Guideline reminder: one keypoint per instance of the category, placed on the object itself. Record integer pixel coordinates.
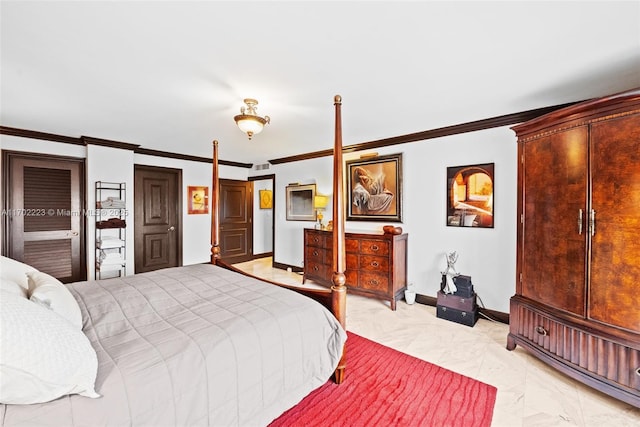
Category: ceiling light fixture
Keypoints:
(248, 120)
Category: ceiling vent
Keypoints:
(262, 167)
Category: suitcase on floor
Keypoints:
(468, 318)
(464, 285)
(456, 301)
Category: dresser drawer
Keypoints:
(316, 270)
(316, 239)
(351, 245)
(374, 247)
(315, 254)
(374, 263)
(373, 281)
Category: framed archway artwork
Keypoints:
(470, 198)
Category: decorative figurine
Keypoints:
(450, 273)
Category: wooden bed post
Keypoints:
(215, 203)
(338, 279)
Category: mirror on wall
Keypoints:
(300, 200)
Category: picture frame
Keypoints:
(299, 199)
(197, 200)
(470, 196)
(266, 199)
(374, 188)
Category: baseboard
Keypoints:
(264, 255)
(491, 314)
(287, 267)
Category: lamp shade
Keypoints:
(250, 124)
(320, 201)
(248, 120)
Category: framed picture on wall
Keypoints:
(266, 199)
(197, 200)
(374, 187)
(470, 196)
(300, 202)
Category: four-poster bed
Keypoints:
(202, 344)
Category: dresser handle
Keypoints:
(315, 253)
(542, 331)
(374, 247)
(315, 268)
(375, 264)
(373, 282)
(638, 372)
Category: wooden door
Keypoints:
(236, 211)
(45, 196)
(553, 252)
(615, 242)
(157, 208)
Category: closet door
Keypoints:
(46, 225)
(615, 253)
(554, 194)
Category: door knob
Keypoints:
(172, 228)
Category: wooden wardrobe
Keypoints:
(577, 300)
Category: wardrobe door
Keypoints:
(554, 237)
(46, 227)
(615, 253)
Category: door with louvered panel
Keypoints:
(44, 202)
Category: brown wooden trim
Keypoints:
(493, 122)
(498, 316)
(85, 140)
(23, 133)
(178, 156)
(89, 140)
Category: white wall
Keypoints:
(116, 165)
(262, 219)
(108, 164)
(485, 254)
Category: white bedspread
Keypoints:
(194, 345)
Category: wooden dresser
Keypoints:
(577, 300)
(376, 263)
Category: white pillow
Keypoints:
(13, 270)
(48, 291)
(42, 357)
(12, 287)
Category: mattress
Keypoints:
(194, 346)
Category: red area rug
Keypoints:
(384, 387)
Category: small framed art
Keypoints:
(198, 200)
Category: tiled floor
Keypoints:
(529, 392)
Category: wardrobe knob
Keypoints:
(542, 331)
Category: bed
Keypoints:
(195, 345)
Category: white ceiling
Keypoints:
(171, 75)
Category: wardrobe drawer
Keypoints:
(585, 350)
